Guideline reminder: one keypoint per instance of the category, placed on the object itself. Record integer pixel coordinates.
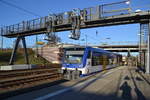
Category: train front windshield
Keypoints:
(73, 57)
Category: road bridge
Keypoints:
(120, 48)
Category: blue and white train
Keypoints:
(82, 61)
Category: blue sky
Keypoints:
(10, 15)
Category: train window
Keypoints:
(73, 59)
(96, 58)
(104, 60)
(110, 60)
(76, 49)
(101, 60)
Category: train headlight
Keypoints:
(80, 66)
(63, 65)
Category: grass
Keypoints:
(20, 59)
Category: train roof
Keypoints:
(71, 47)
(90, 48)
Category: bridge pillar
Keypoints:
(25, 50)
(11, 62)
(129, 62)
(148, 51)
(144, 47)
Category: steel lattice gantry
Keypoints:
(40, 26)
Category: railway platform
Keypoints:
(121, 83)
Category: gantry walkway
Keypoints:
(122, 83)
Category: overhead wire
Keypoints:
(19, 8)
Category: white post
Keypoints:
(148, 51)
(86, 40)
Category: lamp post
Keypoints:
(148, 51)
(85, 40)
(105, 40)
(1, 42)
(1, 30)
(36, 54)
(128, 2)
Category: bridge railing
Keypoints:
(63, 18)
(117, 8)
(25, 26)
(87, 14)
(92, 13)
(106, 10)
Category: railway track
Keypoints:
(11, 74)
(25, 70)
(21, 79)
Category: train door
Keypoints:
(115, 62)
(118, 60)
(88, 62)
(89, 58)
(96, 62)
(105, 61)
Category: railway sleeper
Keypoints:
(26, 80)
(29, 82)
(26, 70)
(25, 74)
